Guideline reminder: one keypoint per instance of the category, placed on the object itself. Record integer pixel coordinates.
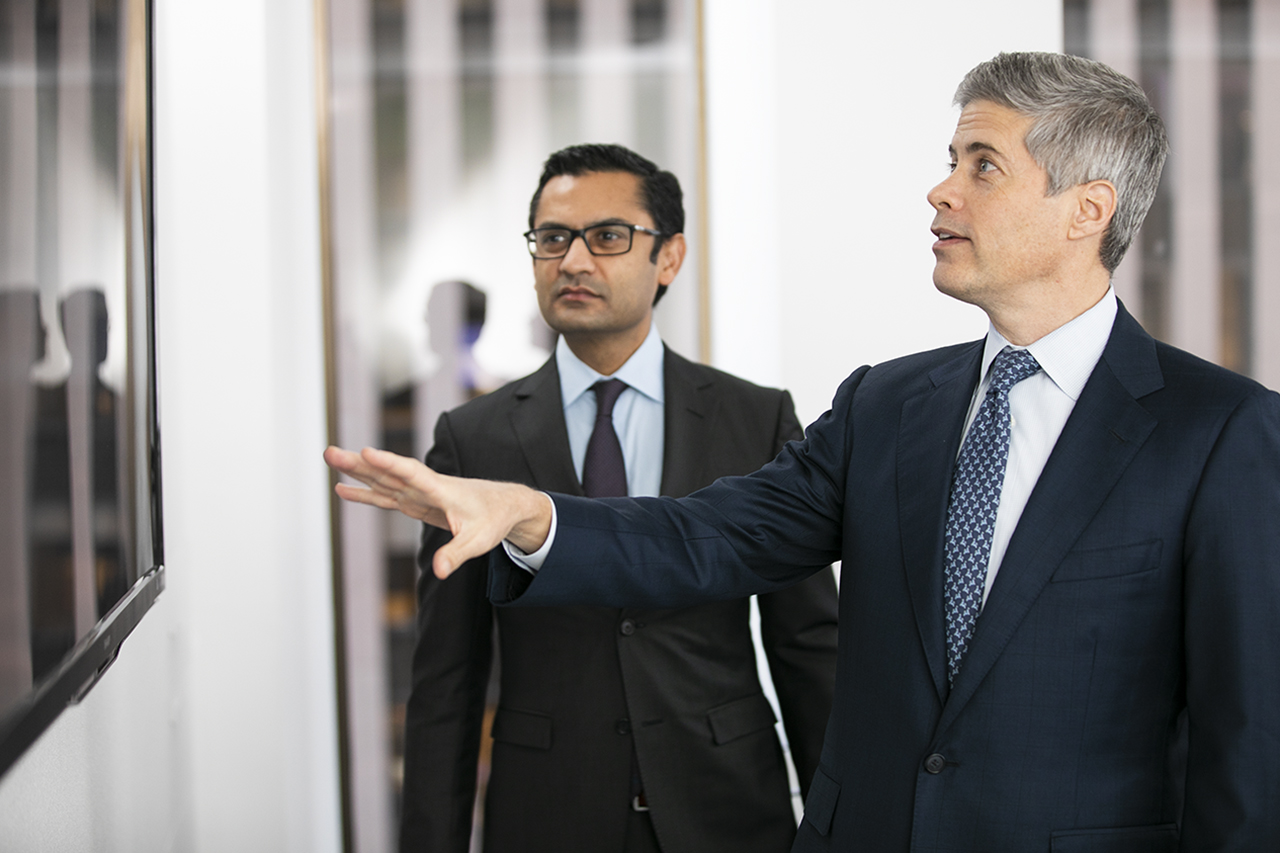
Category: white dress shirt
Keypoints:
(1039, 407)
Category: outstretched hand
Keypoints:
(479, 513)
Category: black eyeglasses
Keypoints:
(614, 239)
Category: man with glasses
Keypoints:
(629, 729)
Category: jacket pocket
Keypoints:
(820, 805)
(1098, 563)
(740, 718)
(1162, 838)
(522, 728)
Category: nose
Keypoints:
(577, 258)
(943, 195)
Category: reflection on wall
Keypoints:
(443, 111)
(66, 536)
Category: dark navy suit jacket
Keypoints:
(1122, 690)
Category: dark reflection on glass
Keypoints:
(1156, 236)
(475, 26)
(74, 378)
(1235, 142)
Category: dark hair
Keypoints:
(1090, 122)
(660, 191)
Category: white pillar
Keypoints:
(607, 88)
(1114, 39)
(679, 314)
(432, 58)
(520, 145)
(359, 400)
(433, 63)
(1265, 110)
(744, 170)
(1195, 292)
(242, 412)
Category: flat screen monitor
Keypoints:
(81, 553)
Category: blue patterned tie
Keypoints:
(604, 473)
(975, 497)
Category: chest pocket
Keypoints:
(1113, 562)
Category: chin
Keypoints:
(959, 289)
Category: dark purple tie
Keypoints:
(604, 474)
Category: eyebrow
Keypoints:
(612, 220)
(974, 148)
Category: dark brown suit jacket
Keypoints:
(582, 686)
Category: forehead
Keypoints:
(985, 125)
(578, 200)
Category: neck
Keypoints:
(606, 353)
(1025, 321)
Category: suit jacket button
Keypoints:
(622, 727)
(627, 627)
(934, 763)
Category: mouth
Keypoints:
(947, 237)
(576, 293)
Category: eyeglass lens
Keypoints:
(600, 240)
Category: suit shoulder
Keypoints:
(895, 369)
(1203, 384)
(905, 375)
(728, 383)
(1184, 367)
(482, 409)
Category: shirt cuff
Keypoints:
(531, 563)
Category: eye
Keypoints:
(607, 235)
(551, 238)
(986, 166)
(951, 167)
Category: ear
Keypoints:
(1095, 205)
(670, 258)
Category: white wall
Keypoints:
(828, 122)
(215, 730)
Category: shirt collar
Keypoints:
(1069, 353)
(643, 371)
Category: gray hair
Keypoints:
(1089, 122)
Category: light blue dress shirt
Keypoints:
(637, 416)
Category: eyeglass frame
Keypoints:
(576, 233)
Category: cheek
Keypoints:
(543, 280)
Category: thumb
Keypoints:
(450, 557)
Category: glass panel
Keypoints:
(464, 100)
(79, 523)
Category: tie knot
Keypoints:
(607, 391)
(1010, 367)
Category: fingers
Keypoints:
(365, 496)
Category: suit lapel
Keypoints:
(1101, 437)
(538, 422)
(688, 411)
(929, 439)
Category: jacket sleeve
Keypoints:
(798, 631)
(450, 675)
(1232, 645)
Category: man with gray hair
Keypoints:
(1061, 556)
